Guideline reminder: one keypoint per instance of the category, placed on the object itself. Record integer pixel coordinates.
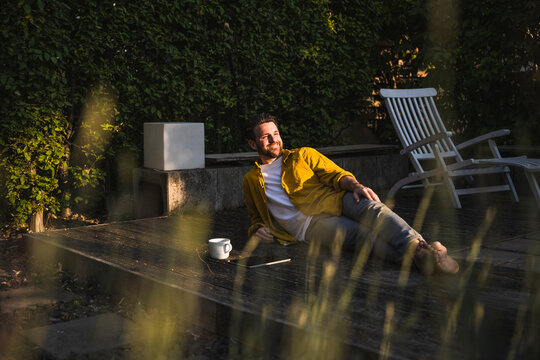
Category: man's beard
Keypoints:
(269, 153)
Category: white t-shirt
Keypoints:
(280, 206)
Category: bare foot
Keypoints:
(433, 257)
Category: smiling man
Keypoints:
(301, 195)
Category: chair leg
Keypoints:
(393, 191)
(513, 193)
(534, 187)
(401, 183)
(509, 182)
(452, 189)
(446, 178)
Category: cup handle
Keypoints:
(227, 248)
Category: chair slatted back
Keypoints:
(415, 117)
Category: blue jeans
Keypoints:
(365, 223)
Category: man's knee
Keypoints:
(364, 209)
(378, 208)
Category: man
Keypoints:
(300, 195)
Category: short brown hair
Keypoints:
(258, 120)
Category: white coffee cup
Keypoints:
(219, 248)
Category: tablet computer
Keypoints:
(258, 261)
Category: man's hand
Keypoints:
(264, 234)
(349, 183)
(366, 192)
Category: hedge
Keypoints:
(102, 69)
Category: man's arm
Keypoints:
(328, 172)
(331, 174)
(349, 183)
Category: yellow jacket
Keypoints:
(311, 181)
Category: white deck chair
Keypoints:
(424, 137)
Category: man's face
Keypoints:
(267, 143)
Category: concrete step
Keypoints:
(85, 336)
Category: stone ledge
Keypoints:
(331, 151)
(158, 192)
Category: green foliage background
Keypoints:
(79, 79)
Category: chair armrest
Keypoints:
(425, 141)
(489, 135)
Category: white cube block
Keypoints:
(173, 146)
